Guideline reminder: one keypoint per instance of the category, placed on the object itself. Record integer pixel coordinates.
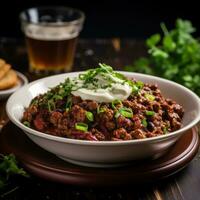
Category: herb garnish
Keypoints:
(149, 113)
(149, 97)
(175, 56)
(81, 126)
(144, 122)
(126, 112)
(90, 116)
(102, 77)
(8, 168)
(116, 102)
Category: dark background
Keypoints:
(121, 18)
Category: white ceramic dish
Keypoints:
(105, 153)
(22, 81)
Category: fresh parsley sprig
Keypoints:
(175, 55)
(8, 168)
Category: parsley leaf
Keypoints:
(175, 55)
(8, 168)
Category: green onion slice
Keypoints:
(144, 122)
(126, 112)
(51, 105)
(117, 114)
(69, 103)
(165, 130)
(115, 102)
(81, 127)
(135, 89)
(90, 116)
(149, 113)
(140, 84)
(149, 97)
(26, 123)
(100, 110)
(57, 97)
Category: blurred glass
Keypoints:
(51, 36)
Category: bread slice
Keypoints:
(2, 62)
(9, 80)
(4, 68)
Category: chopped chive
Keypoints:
(100, 110)
(144, 122)
(165, 130)
(69, 103)
(120, 76)
(115, 102)
(26, 123)
(81, 127)
(149, 97)
(57, 97)
(117, 114)
(149, 113)
(135, 89)
(140, 84)
(90, 116)
(51, 105)
(126, 112)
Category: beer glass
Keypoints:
(51, 35)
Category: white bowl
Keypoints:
(105, 153)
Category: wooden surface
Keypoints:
(47, 166)
(184, 185)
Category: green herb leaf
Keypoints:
(153, 40)
(90, 116)
(126, 112)
(81, 126)
(144, 122)
(176, 58)
(100, 110)
(8, 168)
(117, 114)
(116, 102)
(26, 123)
(168, 43)
(149, 97)
(165, 130)
(149, 113)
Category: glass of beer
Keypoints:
(51, 36)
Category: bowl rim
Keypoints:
(99, 143)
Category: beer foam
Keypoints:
(51, 32)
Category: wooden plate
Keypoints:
(46, 165)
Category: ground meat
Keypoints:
(178, 109)
(107, 115)
(55, 118)
(110, 125)
(136, 122)
(99, 135)
(76, 100)
(92, 105)
(138, 134)
(106, 122)
(124, 122)
(29, 113)
(39, 123)
(89, 105)
(121, 133)
(78, 113)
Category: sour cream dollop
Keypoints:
(117, 89)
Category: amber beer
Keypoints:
(50, 51)
(51, 34)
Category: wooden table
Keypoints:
(184, 185)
